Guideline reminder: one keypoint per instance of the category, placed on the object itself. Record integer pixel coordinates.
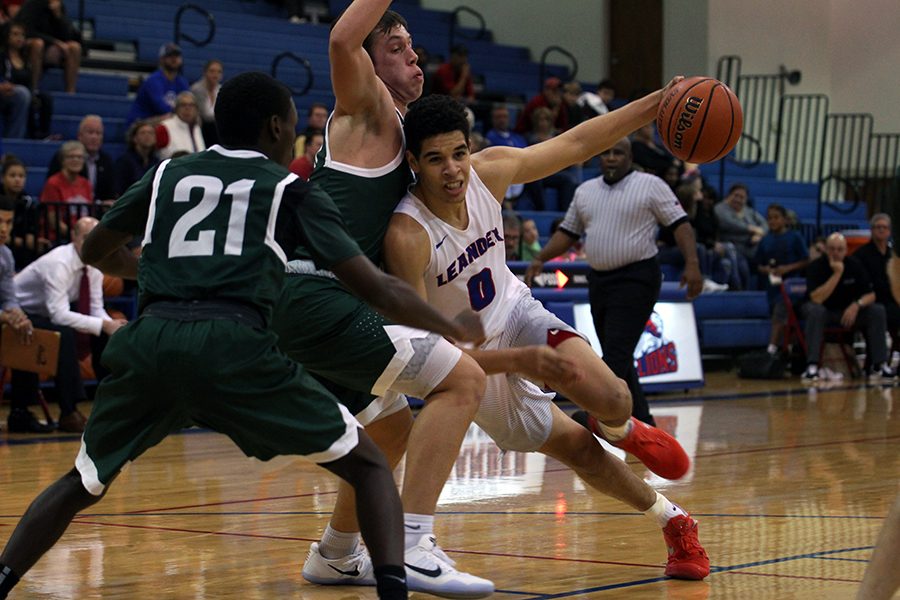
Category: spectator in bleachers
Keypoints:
(205, 91)
(303, 165)
(500, 135)
(512, 235)
(11, 314)
(874, 257)
(531, 244)
(181, 131)
(68, 186)
(424, 62)
(9, 9)
(59, 292)
(733, 268)
(571, 93)
(739, 223)
(454, 77)
(52, 39)
(593, 104)
(15, 106)
(26, 243)
(156, 97)
(564, 182)
(99, 166)
(140, 155)
(841, 293)
(549, 98)
(316, 118)
(17, 70)
(780, 252)
(653, 157)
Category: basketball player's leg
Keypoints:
(598, 390)
(576, 447)
(46, 519)
(390, 435)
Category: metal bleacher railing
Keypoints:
(838, 152)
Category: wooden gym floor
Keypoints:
(790, 486)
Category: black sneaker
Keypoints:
(21, 420)
(882, 373)
(811, 374)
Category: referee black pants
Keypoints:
(621, 303)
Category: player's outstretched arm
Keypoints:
(502, 166)
(356, 87)
(105, 249)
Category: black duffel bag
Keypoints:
(761, 365)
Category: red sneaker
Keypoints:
(687, 558)
(659, 451)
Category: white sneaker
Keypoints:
(355, 569)
(427, 571)
(711, 287)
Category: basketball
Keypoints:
(700, 120)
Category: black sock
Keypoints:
(390, 581)
(8, 580)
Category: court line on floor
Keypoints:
(733, 569)
(516, 513)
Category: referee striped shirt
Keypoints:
(620, 221)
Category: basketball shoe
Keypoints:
(431, 571)
(659, 451)
(687, 558)
(354, 569)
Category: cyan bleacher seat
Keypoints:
(34, 180)
(91, 83)
(771, 187)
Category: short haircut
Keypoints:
(316, 105)
(431, 116)
(606, 84)
(880, 217)
(738, 186)
(245, 104)
(11, 160)
(69, 146)
(778, 208)
(388, 21)
(7, 203)
(186, 94)
(511, 220)
(87, 118)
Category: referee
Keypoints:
(619, 214)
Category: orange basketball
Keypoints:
(112, 286)
(700, 120)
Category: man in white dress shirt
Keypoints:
(47, 290)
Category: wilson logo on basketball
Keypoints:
(686, 119)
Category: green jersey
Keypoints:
(366, 197)
(220, 224)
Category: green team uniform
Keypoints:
(319, 322)
(218, 227)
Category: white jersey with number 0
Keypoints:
(468, 267)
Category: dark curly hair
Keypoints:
(431, 116)
(388, 21)
(245, 104)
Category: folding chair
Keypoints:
(41, 357)
(795, 288)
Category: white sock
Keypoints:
(614, 434)
(415, 526)
(663, 510)
(336, 544)
(772, 349)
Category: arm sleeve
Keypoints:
(7, 286)
(97, 309)
(155, 95)
(308, 217)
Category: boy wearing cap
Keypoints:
(156, 97)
